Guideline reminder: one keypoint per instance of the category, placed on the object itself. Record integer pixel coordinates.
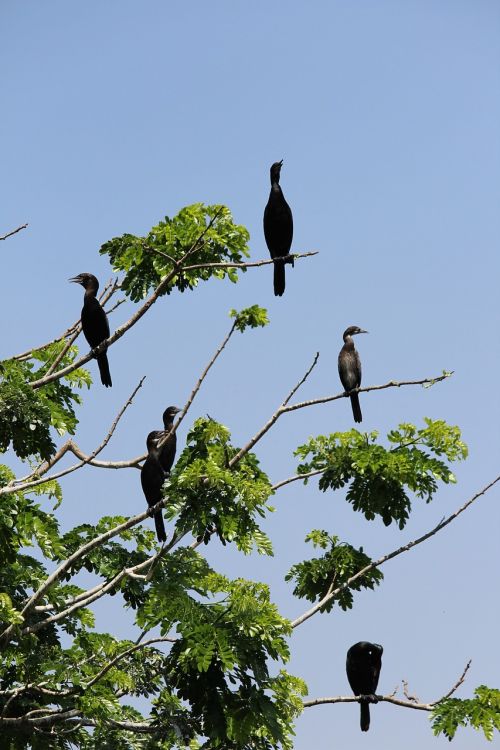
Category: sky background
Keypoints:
(117, 113)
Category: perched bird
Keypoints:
(167, 450)
(278, 228)
(350, 368)
(95, 324)
(152, 478)
(363, 665)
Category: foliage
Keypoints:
(380, 478)
(201, 234)
(480, 712)
(210, 650)
(27, 415)
(210, 494)
(316, 578)
(253, 317)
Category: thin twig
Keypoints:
(253, 264)
(405, 548)
(279, 411)
(197, 387)
(14, 231)
(296, 478)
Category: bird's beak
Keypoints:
(281, 163)
(362, 331)
(76, 279)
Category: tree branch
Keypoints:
(405, 548)
(14, 231)
(277, 414)
(410, 703)
(118, 657)
(87, 459)
(197, 387)
(285, 407)
(121, 330)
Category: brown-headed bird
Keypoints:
(350, 368)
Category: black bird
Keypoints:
(152, 478)
(350, 368)
(95, 324)
(363, 665)
(278, 228)
(167, 451)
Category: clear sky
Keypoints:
(387, 113)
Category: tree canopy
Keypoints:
(208, 665)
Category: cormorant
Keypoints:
(95, 324)
(152, 478)
(363, 665)
(167, 450)
(350, 368)
(278, 228)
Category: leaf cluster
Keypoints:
(315, 578)
(481, 712)
(209, 495)
(207, 233)
(381, 479)
(27, 415)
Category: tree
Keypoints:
(210, 654)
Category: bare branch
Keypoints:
(88, 459)
(253, 264)
(197, 387)
(380, 698)
(296, 478)
(14, 231)
(455, 687)
(277, 414)
(411, 701)
(285, 407)
(405, 548)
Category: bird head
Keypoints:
(153, 439)
(352, 331)
(276, 170)
(169, 414)
(87, 280)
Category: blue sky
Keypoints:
(386, 114)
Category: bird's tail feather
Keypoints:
(160, 527)
(279, 278)
(102, 361)
(364, 716)
(356, 408)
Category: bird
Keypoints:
(152, 478)
(167, 450)
(350, 368)
(363, 665)
(95, 324)
(278, 228)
